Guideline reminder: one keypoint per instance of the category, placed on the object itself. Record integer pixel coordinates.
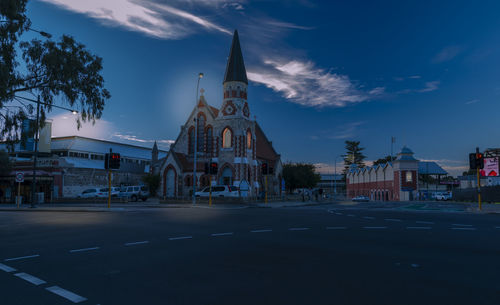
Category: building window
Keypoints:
(191, 141)
(208, 145)
(249, 139)
(409, 177)
(226, 138)
(201, 132)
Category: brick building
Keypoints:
(397, 180)
(226, 135)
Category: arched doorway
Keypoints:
(170, 178)
(226, 177)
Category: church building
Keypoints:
(228, 136)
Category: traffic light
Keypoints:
(479, 160)
(264, 168)
(112, 161)
(472, 160)
(213, 168)
(271, 170)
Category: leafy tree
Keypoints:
(63, 70)
(153, 182)
(5, 163)
(353, 155)
(383, 160)
(300, 175)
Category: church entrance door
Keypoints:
(170, 183)
(227, 176)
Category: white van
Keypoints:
(219, 191)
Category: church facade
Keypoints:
(227, 136)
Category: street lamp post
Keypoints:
(195, 138)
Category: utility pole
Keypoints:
(195, 137)
(35, 155)
(478, 182)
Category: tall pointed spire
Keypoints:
(235, 69)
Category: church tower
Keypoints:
(235, 84)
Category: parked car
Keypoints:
(90, 193)
(361, 199)
(442, 196)
(219, 191)
(115, 192)
(135, 192)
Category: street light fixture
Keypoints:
(200, 76)
(43, 33)
(35, 153)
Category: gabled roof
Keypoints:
(430, 168)
(235, 69)
(265, 148)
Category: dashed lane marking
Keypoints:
(137, 243)
(335, 228)
(73, 297)
(222, 234)
(497, 227)
(30, 278)
(338, 213)
(418, 228)
(374, 228)
(351, 215)
(261, 231)
(180, 237)
(298, 229)
(6, 268)
(21, 257)
(392, 219)
(425, 222)
(83, 250)
(460, 225)
(368, 217)
(464, 229)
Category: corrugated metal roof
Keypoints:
(430, 168)
(89, 145)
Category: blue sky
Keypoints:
(320, 72)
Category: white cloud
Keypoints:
(140, 16)
(473, 101)
(430, 86)
(347, 131)
(304, 84)
(447, 54)
(133, 139)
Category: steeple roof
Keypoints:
(235, 69)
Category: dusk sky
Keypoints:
(320, 72)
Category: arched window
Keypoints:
(201, 132)
(226, 138)
(209, 135)
(191, 141)
(249, 139)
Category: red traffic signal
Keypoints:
(479, 160)
(112, 161)
(264, 169)
(213, 168)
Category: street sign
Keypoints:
(19, 177)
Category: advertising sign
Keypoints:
(490, 167)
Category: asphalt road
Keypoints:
(309, 255)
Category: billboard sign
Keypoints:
(490, 167)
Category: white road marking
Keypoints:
(460, 225)
(335, 228)
(137, 243)
(222, 234)
(21, 257)
(351, 215)
(392, 219)
(467, 229)
(374, 228)
(261, 231)
(180, 237)
(298, 229)
(6, 268)
(497, 227)
(418, 228)
(338, 213)
(73, 297)
(414, 265)
(30, 278)
(425, 222)
(84, 249)
(368, 217)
